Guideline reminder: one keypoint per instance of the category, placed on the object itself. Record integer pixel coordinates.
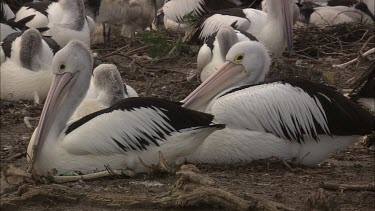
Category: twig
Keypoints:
(16, 156)
(371, 51)
(335, 187)
(106, 173)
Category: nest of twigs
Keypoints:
(338, 40)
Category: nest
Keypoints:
(344, 40)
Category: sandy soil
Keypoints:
(166, 78)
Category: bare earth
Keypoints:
(166, 78)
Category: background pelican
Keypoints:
(273, 29)
(26, 74)
(130, 130)
(293, 119)
(65, 20)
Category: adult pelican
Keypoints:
(106, 88)
(293, 119)
(25, 73)
(274, 29)
(122, 136)
(324, 16)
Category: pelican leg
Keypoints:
(161, 167)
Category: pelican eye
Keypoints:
(238, 58)
(62, 67)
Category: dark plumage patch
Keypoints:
(39, 6)
(93, 6)
(344, 117)
(363, 7)
(179, 118)
(365, 85)
(306, 9)
(8, 42)
(19, 25)
(198, 25)
(347, 3)
(52, 44)
(248, 35)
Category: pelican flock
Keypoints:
(93, 121)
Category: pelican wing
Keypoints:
(177, 10)
(133, 124)
(292, 110)
(210, 24)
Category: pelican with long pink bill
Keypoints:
(290, 119)
(127, 135)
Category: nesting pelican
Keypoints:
(26, 73)
(64, 20)
(290, 119)
(126, 135)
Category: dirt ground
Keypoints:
(166, 77)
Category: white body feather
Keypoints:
(18, 83)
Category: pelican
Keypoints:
(326, 16)
(135, 15)
(64, 20)
(25, 74)
(106, 88)
(290, 119)
(212, 54)
(273, 29)
(178, 10)
(120, 136)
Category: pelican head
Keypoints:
(108, 84)
(247, 62)
(226, 38)
(71, 67)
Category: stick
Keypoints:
(122, 48)
(16, 156)
(371, 51)
(335, 187)
(63, 179)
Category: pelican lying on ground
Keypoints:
(293, 119)
(106, 88)
(327, 16)
(177, 10)
(65, 20)
(120, 136)
(273, 29)
(211, 55)
(18, 47)
(26, 73)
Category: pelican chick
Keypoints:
(26, 73)
(106, 88)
